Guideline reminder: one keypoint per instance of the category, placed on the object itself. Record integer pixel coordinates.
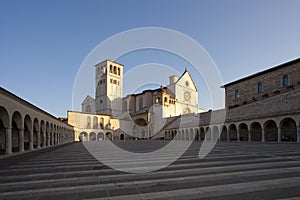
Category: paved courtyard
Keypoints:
(233, 170)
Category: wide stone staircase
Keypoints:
(233, 170)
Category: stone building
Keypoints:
(179, 97)
(25, 127)
(261, 107)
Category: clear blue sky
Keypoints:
(43, 43)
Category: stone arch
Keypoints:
(16, 128)
(255, 131)
(109, 136)
(232, 132)
(115, 70)
(92, 136)
(100, 136)
(119, 71)
(224, 134)
(101, 122)
(95, 122)
(243, 132)
(88, 122)
(288, 130)
(215, 133)
(197, 136)
(202, 134)
(271, 131)
(27, 132)
(182, 134)
(122, 136)
(4, 124)
(83, 136)
(208, 134)
(36, 134)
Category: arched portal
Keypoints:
(27, 131)
(271, 131)
(187, 135)
(255, 131)
(92, 136)
(232, 132)
(288, 130)
(197, 137)
(36, 133)
(100, 136)
(243, 130)
(202, 134)
(140, 122)
(4, 124)
(43, 134)
(109, 135)
(224, 133)
(83, 136)
(122, 136)
(16, 127)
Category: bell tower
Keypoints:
(109, 76)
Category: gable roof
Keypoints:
(87, 99)
(186, 71)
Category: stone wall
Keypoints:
(271, 80)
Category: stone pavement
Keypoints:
(233, 170)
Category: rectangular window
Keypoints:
(115, 81)
(110, 80)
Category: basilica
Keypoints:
(103, 113)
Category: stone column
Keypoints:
(8, 145)
(31, 140)
(262, 135)
(38, 138)
(279, 134)
(298, 134)
(21, 139)
(249, 136)
(238, 136)
(44, 139)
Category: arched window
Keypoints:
(166, 99)
(110, 68)
(259, 88)
(88, 122)
(119, 71)
(237, 94)
(115, 70)
(285, 80)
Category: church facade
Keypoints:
(179, 97)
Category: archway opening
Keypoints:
(92, 136)
(16, 126)
(109, 135)
(288, 130)
(122, 136)
(4, 122)
(243, 130)
(232, 132)
(255, 131)
(100, 136)
(202, 134)
(215, 133)
(83, 136)
(208, 134)
(224, 134)
(271, 131)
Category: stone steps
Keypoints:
(229, 171)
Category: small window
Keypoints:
(119, 71)
(285, 80)
(166, 99)
(115, 81)
(259, 88)
(237, 94)
(110, 68)
(111, 81)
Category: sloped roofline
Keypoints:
(263, 72)
(187, 71)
